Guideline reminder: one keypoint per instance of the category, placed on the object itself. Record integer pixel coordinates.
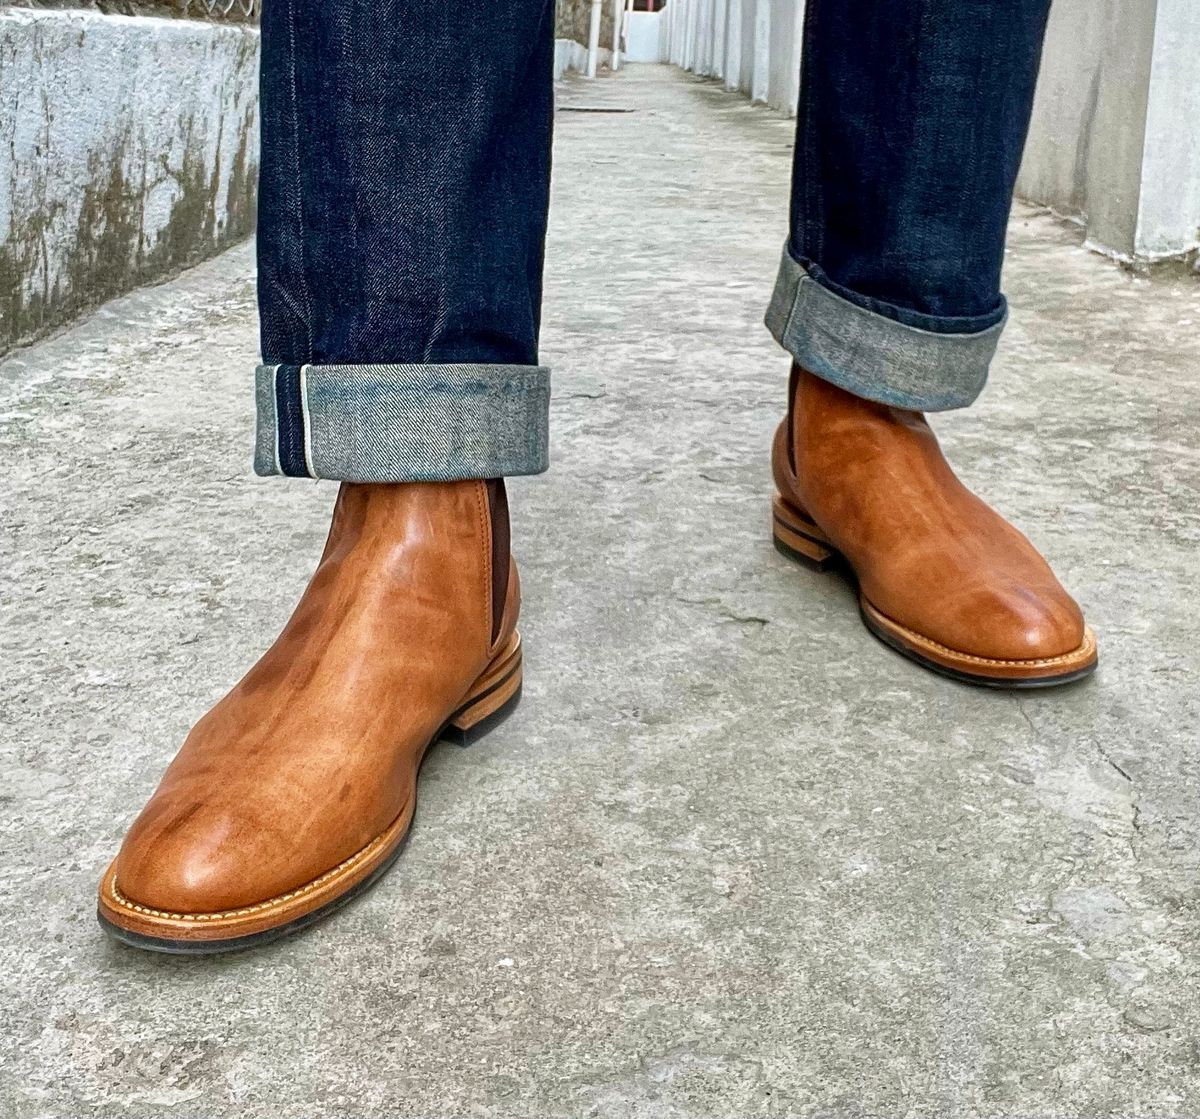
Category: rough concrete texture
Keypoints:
(216, 11)
(128, 149)
(732, 857)
(572, 56)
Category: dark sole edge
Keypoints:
(451, 733)
(174, 947)
(832, 563)
(998, 683)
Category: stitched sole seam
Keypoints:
(115, 896)
(1088, 646)
(809, 529)
(258, 907)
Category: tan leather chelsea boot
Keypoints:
(942, 577)
(297, 790)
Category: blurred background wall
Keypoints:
(1115, 138)
(572, 23)
(129, 128)
(129, 143)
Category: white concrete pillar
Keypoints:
(593, 53)
(733, 45)
(748, 37)
(760, 78)
(787, 22)
(1115, 138)
(720, 34)
(1169, 204)
(689, 36)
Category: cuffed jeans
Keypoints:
(402, 216)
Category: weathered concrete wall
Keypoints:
(571, 26)
(573, 19)
(217, 11)
(128, 149)
(1169, 214)
(570, 55)
(1084, 150)
(1114, 140)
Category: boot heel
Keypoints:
(799, 538)
(494, 697)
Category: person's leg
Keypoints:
(912, 119)
(404, 186)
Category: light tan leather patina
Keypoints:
(940, 573)
(303, 779)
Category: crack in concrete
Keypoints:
(725, 611)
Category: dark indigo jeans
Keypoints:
(402, 215)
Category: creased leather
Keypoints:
(315, 752)
(927, 552)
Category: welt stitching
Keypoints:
(259, 906)
(927, 641)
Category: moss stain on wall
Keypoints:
(51, 273)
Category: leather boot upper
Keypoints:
(926, 551)
(315, 751)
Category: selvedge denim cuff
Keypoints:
(872, 355)
(402, 423)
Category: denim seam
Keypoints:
(874, 356)
(814, 201)
(398, 423)
(295, 148)
(918, 320)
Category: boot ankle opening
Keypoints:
(501, 545)
(793, 384)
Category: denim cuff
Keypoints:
(875, 356)
(402, 423)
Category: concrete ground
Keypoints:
(732, 857)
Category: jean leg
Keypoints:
(911, 123)
(402, 217)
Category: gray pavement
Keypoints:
(732, 857)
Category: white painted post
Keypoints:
(618, 17)
(689, 35)
(733, 46)
(720, 33)
(760, 78)
(593, 55)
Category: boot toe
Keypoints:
(1022, 623)
(195, 861)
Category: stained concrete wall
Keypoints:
(570, 55)
(1114, 140)
(573, 19)
(215, 11)
(129, 146)
(128, 149)
(1169, 213)
(571, 28)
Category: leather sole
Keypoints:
(492, 698)
(799, 538)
